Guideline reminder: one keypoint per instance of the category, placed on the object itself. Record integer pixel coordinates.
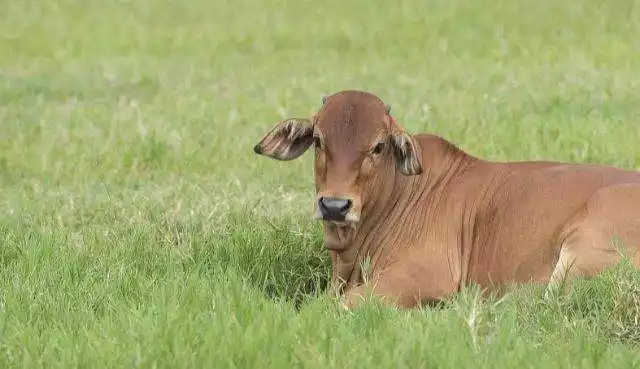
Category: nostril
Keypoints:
(346, 207)
(323, 203)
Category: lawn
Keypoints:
(139, 229)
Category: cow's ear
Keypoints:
(289, 139)
(406, 152)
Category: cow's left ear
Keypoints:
(289, 139)
(405, 150)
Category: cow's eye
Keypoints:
(316, 142)
(377, 149)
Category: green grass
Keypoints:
(138, 229)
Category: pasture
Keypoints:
(139, 229)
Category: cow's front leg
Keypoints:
(355, 296)
(404, 288)
(382, 290)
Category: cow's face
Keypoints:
(357, 145)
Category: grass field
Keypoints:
(138, 229)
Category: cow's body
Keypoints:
(492, 224)
(462, 219)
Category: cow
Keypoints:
(413, 219)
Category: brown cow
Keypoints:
(428, 218)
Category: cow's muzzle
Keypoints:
(334, 208)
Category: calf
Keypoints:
(428, 218)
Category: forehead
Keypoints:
(351, 115)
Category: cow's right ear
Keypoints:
(405, 149)
(407, 154)
(288, 140)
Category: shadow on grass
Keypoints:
(282, 257)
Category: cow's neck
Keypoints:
(383, 225)
(361, 249)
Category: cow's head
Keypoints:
(357, 145)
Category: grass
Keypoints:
(138, 229)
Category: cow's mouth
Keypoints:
(339, 235)
(340, 227)
(350, 219)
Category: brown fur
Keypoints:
(429, 218)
